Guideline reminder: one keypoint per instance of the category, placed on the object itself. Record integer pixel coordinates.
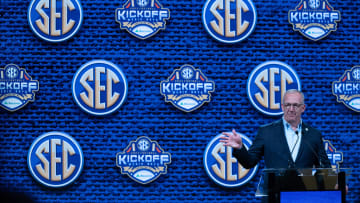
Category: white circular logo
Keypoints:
(187, 73)
(142, 3)
(11, 72)
(143, 145)
(356, 73)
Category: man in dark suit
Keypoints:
(286, 143)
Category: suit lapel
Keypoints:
(283, 145)
(304, 133)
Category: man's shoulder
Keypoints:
(277, 123)
(308, 127)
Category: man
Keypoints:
(286, 143)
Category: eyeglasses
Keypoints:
(295, 105)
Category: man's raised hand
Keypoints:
(232, 139)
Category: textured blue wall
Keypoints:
(146, 63)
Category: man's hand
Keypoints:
(232, 139)
(346, 188)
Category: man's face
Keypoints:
(293, 107)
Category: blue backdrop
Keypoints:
(146, 63)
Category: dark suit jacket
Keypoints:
(271, 143)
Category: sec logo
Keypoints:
(229, 21)
(267, 84)
(314, 19)
(335, 157)
(99, 87)
(142, 18)
(222, 167)
(55, 159)
(55, 20)
(143, 160)
(187, 88)
(346, 89)
(17, 88)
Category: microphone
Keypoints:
(297, 139)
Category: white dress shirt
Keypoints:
(293, 138)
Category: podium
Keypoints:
(303, 185)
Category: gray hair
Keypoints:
(292, 91)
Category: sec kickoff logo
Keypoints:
(143, 160)
(335, 157)
(187, 88)
(55, 20)
(267, 84)
(222, 167)
(55, 159)
(314, 19)
(229, 21)
(99, 87)
(347, 89)
(142, 18)
(16, 87)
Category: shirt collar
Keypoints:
(288, 126)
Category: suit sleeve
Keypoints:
(249, 158)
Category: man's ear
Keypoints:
(304, 107)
